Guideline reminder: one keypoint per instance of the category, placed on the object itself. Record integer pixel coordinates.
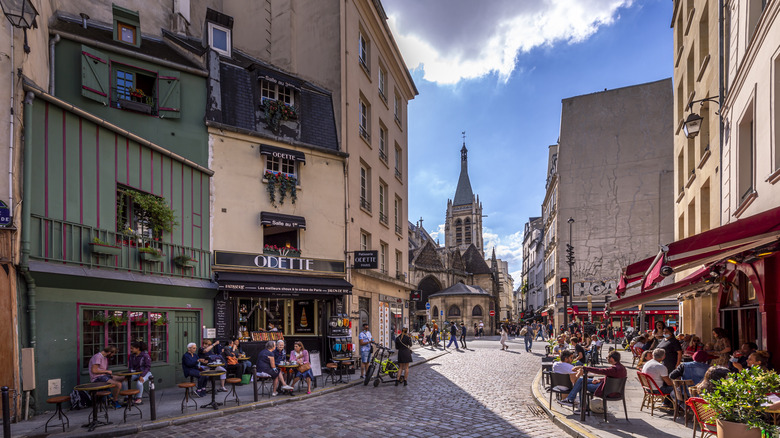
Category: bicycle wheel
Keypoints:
(369, 373)
(391, 369)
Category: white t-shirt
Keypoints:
(562, 368)
(481, 325)
(656, 370)
(365, 336)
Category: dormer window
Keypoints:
(273, 91)
(219, 39)
(127, 26)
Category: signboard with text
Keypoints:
(366, 259)
(276, 262)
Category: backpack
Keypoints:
(80, 399)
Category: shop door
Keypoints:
(185, 330)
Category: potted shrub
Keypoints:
(184, 261)
(276, 112)
(737, 400)
(100, 247)
(117, 320)
(98, 319)
(149, 254)
(161, 321)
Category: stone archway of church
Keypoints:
(427, 286)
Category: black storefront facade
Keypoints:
(296, 296)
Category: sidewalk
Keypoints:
(640, 423)
(169, 408)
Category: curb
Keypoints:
(571, 428)
(200, 416)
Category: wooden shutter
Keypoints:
(94, 75)
(169, 94)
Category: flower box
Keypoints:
(283, 253)
(185, 262)
(142, 323)
(150, 256)
(140, 107)
(101, 249)
(96, 323)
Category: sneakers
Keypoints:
(201, 392)
(117, 405)
(221, 389)
(274, 394)
(288, 387)
(566, 402)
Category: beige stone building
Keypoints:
(697, 159)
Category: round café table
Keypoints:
(92, 388)
(212, 375)
(289, 370)
(340, 362)
(127, 374)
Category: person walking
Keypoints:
(463, 330)
(503, 338)
(528, 337)
(539, 331)
(403, 343)
(453, 336)
(481, 328)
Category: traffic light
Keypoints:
(565, 286)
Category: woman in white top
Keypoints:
(503, 338)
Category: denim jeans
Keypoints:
(453, 338)
(528, 343)
(138, 384)
(578, 386)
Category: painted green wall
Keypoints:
(186, 136)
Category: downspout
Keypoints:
(721, 90)
(11, 132)
(52, 42)
(24, 264)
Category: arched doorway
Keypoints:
(427, 286)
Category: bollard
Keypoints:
(152, 401)
(254, 380)
(6, 414)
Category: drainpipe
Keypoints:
(52, 42)
(24, 264)
(11, 132)
(721, 91)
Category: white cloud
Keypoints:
(508, 248)
(438, 234)
(452, 40)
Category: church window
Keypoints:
(468, 231)
(476, 311)
(454, 311)
(458, 232)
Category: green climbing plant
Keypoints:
(154, 211)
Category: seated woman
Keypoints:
(139, 360)
(191, 367)
(232, 352)
(756, 359)
(207, 354)
(710, 377)
(300, 356)
(694, 345)
(266, 366)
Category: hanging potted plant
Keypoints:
(154, 212)
(98, 319)
(285, 183)
(149, 254)
(737, 400)
(141, 321)
(162, 320)
(117, 320)
(100, 247)
(276, 112)
(184, 261)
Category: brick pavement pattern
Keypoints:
(481, 392)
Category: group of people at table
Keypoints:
(663, 356)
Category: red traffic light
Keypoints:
(564, 280)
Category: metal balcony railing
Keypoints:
(365, 204)
(67, 242)
(383, 218)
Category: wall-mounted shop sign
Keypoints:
(5, 214)
(366, 259)
(276, 262)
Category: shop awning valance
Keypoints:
(288, 154)
(693, 281)
(282, 284)
(282, 220)
(707, 247)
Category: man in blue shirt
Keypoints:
(453, 336)
(692, 370)
(365, 340)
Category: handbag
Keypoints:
(304, 367)
(231, 360)
(523, 331)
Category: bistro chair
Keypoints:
(637, 352)
(232, 381)
(262, 379)
(614, 390)
(330, 369)
(705, 417)
(185, 402)
(680, 397)
(547, 363)
(129, 395)
(652, 393)
(58, 400)
(560, 384)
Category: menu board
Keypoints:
(221, 317)
(303, 316)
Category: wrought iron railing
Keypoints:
(365, 204)
(382, 155)
(383, 218)
(68, 242)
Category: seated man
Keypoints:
(190, 364)
(596, 386)
(99, 372)
(738, 360)
(658, 372)
(692, 370)
(560, 347)
(564, 366)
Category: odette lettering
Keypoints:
(283, 156)
(275, 262)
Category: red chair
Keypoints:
(637, 352)
(705, 417)
(652, 393)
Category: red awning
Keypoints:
(690, 282)
(709, 246)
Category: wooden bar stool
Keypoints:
(343, 370)
(233, 381)
(330, 368)
(263, 379)
(129, 395)
(185, 402)
(101, 398)
(59, 400)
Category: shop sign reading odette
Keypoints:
(275, 262)
(366, 259)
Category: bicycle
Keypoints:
(381, 360)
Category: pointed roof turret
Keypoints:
(463, 194)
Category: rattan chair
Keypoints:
(705, 417)
(652, 393)
(680, 397)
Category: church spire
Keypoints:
(463, 194)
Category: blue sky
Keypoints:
(498, 70)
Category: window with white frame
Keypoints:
(383, 257)
(398, 163)
(382, 83)
(365, 241)
(383, 202)
(284, 165)
(746, 154)
(382, 142)
(398, 259)
(272, 91)
(397, 214)
(219, 39)
(397, 108)
(365, 187)
(363, 51)
(364, 117)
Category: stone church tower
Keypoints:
(463, 224)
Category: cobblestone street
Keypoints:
(481, 392)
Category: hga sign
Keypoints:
(595, 287)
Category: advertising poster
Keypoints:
(303, 320)
(384, 324)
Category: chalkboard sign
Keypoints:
(221, 319)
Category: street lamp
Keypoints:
(570, 262)
(692, 124)
(21, 14)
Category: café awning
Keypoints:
(288, 154)
(707, 247)
(282, 284)
(282, 220)
(693, 281)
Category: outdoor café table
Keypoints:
(92, 388)
(214, 365)
(289, 370)
(213, 374)
(127, 374)
(341, 370)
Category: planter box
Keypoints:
(105, 249)
(279, 253)
(142, 323)
(190, 264)
(150, 257)
(135, 106)
(736, 430)
(96, 323)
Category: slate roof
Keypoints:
(474, 262)
(461, 289)
(427, 258)
(463, 194)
